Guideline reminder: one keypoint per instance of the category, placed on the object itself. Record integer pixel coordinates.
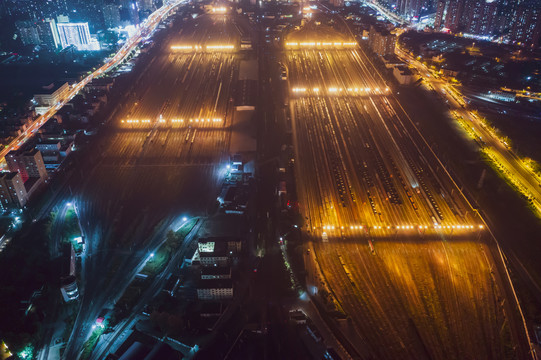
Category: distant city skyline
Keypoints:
(518, 22)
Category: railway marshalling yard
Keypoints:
(394, 241)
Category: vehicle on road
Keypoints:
(283, 72)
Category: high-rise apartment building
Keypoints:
(111, 16)
(48, 33)
(129, 11)
(27, 163)
(454, 14)
(28, 32)
(440, 12)
(381, 41)
(489, 18)
(146, 5)
(411, 9)
(12, 191)
(478, 17)
(518, 20)
(78, 35)
(527, 23)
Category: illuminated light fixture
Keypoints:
(481, 227)
(182, 47)
(316, 89)
(220, 47)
